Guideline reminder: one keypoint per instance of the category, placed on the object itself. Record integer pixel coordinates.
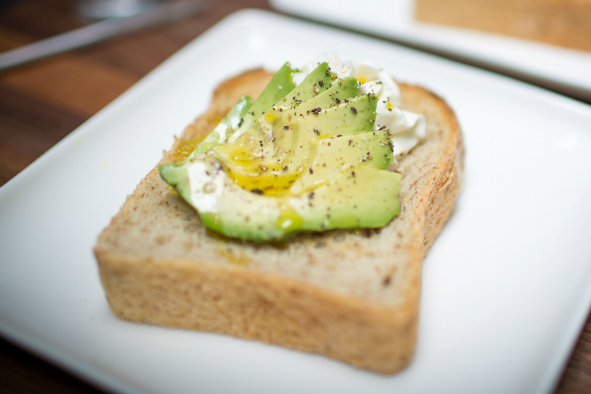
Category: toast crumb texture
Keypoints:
(565, 23)
(350, 295)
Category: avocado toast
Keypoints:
(351, 295)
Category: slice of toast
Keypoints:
(352, 295)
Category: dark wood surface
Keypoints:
(42, 102)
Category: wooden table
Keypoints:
(41, 103)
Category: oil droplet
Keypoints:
(271, 116)
(185, 148)
(289, 219)
(234, 258)
(272, 183)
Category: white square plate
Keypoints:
(507, 285)
(562, 69)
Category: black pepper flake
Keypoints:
(285, 127)
(353, 110)
(339, 135)
(346, 101)
(391, 145)
(338, 101)
(382, 128)
(317, 132)
(316, 111)
(350, 142)
(241, 121)
(256, 191)
(285, 168)
(321, 83)
(311, 195)
(260, 143)
(311, 172)
(387, 280)
(353, 173)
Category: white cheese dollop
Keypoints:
(407, 128)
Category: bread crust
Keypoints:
(352, 295)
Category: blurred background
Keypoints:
(43, 101)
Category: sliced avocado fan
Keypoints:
(306, 159)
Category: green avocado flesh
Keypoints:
(227, 126)
(303, 159)
(279, 86)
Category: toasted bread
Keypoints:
(352, 295)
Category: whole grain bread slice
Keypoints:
(352, 295)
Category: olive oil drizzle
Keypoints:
(289, 219)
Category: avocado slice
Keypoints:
(359, 196)
(315, 83)
(351, 116)
(225, 128)
(374, 148)
(223, 206)
(279, 86)
(340, 91)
